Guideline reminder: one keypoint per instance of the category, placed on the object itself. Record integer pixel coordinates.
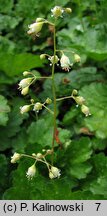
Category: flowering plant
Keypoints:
(61, 59)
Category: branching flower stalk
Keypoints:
(24, 85)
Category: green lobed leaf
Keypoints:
(44, 136)
(95, 95)
(4, 110)
(81, 36)
(4, 8)
(97, 182)
(77, 158)
(14, 64)
(13, 126)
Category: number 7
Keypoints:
(98, 205)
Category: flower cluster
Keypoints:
(64, 60)
(36, 27)
(80, 101)
(54, 172)
(59, 58)
(15, 157)
(58, 11)
(36, 106)
(25, 83)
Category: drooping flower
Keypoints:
(79, 100)
(24, 109)
(85, 110)
(65, 62)
(24, 83)
(25, 91)
(54, 172)
(31, 172)
(15, 157)
(35, 28)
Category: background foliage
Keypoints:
(83, 159)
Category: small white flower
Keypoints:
(24, 83)
(35, 28)
(15, 157)
(53, 60)
(31, 172)
(79, 100)
(57, 11)
(54, 172)
(65, 62)
(48, 101)
(24, 109)
(37, 106)
(25, 91)
(85, 110)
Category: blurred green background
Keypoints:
(83, 159)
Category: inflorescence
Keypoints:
(61, 59)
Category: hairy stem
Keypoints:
(54, 96)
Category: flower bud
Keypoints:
(57, 11)
(48, 101)
(68, 10)
(25, 91)
(39, 19)
(33, 154)
(49, 151)
(54, 60)
(77, 58)
(37, 106)
(39, 155)
(25, 73)
(79, 100)
(54, 172)
(25, 82)
(85, 110)
(42, 56)
(35, 28)
(43, 150)
(15, 157)
(32, 101)
(24, 109)
(31, 172)
(74, 92)
(65, 63)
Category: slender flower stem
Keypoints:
(63, 98)
(54, 96)
(37, 159)
(44, 77)
(48, 109)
